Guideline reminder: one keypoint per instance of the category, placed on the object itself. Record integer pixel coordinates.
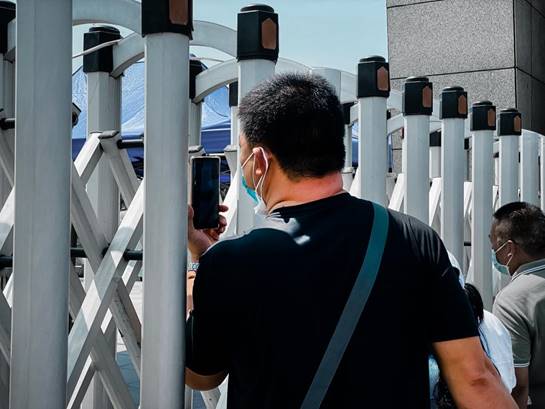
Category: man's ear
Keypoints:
(512, 250)
(260, 161)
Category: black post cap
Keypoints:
(453, 103)
(7, 13)
(417, 96)
(257, 7)
(233, 94)
(373, 77)
(195, 68)
(101, 60)
(257, 33)
(167, 16)
(483, 116)
(346, 112)
(509, 122)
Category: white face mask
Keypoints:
(260, 209)
(502, 268)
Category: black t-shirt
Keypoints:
(266, 305)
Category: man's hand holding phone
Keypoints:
(200, 240)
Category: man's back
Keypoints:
(267, 303)
(521, 308)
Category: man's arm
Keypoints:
(193, 379)
(522, 388)
(205, 351)
(472, 379)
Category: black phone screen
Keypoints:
(205, 192)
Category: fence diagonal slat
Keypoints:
(120, 165)
(103, 360)
(93, 242)
(102, 289)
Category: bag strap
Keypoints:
(352, 311)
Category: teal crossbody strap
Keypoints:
(352, 311)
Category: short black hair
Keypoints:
(298, 117)
(476, 301)
(523, 223)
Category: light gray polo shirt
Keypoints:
(521, 308)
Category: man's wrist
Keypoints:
(194, 266)
(197, 247)
(196, 253)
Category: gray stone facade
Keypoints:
(493, 48)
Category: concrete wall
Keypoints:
(493, 48)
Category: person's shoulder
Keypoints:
(512, 300)
(521, 295)
(504, 296)
(224, 248)
(532, 282)
(234, 247)
(515, 290)
(218, 266)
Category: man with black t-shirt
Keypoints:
(266, 303)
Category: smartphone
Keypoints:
(205, 191)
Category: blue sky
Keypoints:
(319, 33)
(331, 33)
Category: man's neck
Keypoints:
(288, 192)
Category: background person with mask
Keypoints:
(518, 247)
(267, 303)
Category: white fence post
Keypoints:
(417, 108)
(483, 125)
(373, 91)
(453, 115)
(103, 114)
(529, 167)
(509, 131)
(257, 53)
(42, 204)
(166, 27)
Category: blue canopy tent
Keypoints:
(216, 114)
